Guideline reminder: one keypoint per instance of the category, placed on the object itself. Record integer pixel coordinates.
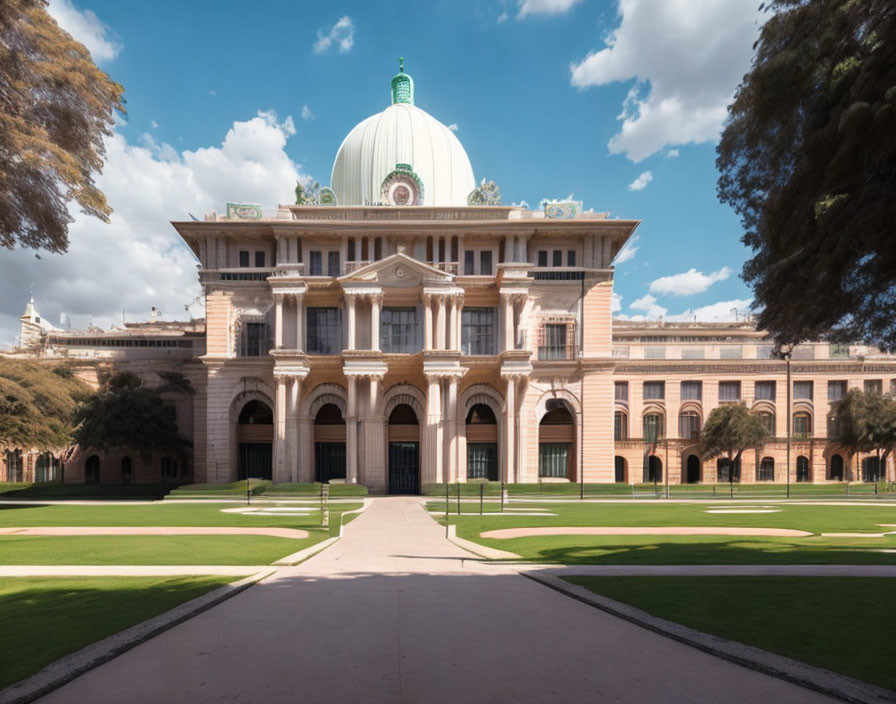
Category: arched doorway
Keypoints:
(727, 470)
(871, 469)
(802, 469)
(621, 474)
(255, 435)
(837, 468)
(556, 442)
(329, 444)
(14, 472)
(482, 443)
(46, 468)
(766, 471)
(126, 470)
(692, 472)
(92, 470)
(653, 469)
(404, 450)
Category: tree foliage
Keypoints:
(56, 107)
(38, 404)
(729, 430)
(127, 415)
(486, 193)
(866, 422)
(808, 161)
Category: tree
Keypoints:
(852, 425)
(127, 415)
(486, 193)
(56, 107)
(866, 422)
(808, 161)
(729, 430)
(308, 194)
(37, 405)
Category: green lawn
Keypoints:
(779, 614)
(42, 619)
(620, 549)
(56, 490)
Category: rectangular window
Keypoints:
(552, 460)
(253, 340)
(802, 428)
(571, 258)
(731, 352)
(764, 391)
(802, 390)
(765, 352)
(836, 390)
(333, 263)
(554, 342)
(324, 330)
(244, 258)
(654, 390)
(469, 262)
(259, 260)
(874, 386)
(688, 426)
(692, 353)
(399, 331)
(479, 334)
(351, 249)
(839, 351)
(558, 257)
(655, 352)
(315, 264)
(729, 391)
(620, 429)
(482, 460)
(691, 390)
(622, 391)
(833, 427)
(542, 257)
(485, 262)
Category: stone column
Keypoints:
(375, 304)
(350, 305)
(433, 454)
(451, 442)
(507, 301)
(510, 431)
(278, 322)
(280, 450)
(375, 435)
(351, 432)
(292, 429)
(440, 322)
(427, 322)
(300, 320)
(452, 323)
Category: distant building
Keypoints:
(392, 335)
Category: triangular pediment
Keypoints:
(398, 270)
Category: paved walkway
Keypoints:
(395, 613)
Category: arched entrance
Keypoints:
(802, 469)
(556, 442)
(621, 473)
(837, 467)
(255, 435)
(727, 471)
(653, 469)
(329, 444)
(92, 470)
(14, 471)
(482, 443)
(692, 470)
(871, 469)
(126, 470)
(404, 450)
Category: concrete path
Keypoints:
(507, 533)
(395, 613)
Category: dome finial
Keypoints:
(402, 85)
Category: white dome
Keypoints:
(387, 143)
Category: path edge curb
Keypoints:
(814, 678)
(73, 665)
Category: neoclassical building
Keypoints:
(393, 335)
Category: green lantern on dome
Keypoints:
(402, 85)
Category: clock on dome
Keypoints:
(402, 187)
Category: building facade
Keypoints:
(392, 335)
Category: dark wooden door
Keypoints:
(404, 468)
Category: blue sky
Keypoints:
(233, 100)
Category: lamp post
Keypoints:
(785, 352)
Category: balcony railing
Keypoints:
(448, 267)
(239, 274)
(551, 352)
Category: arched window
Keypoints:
(14, 466)
(836, 470)
(556, 436)
(402, 414)
(803, 474)
(482, 443)
(329, 414)
(766, 471)
(689, 425)
(768, 420)
(481, 414)
(871, 469)
(256, 413)
(802, 425)
(620, 426)
(653, 427)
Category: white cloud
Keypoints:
(342, 34)
(213, 93)
(722, 311)
(648, 304)
(503, 17)
(453, 127)
(544, 7)
(138, 260)
(686, 58)
(672, 154)
(628, 251)
(306, 113)
(87, 28)
(154, 124)
(615, 303)
(640, 183)
(688, 282)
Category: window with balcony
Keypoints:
(654, 390)
(691, 390)
(764, 391)
(802, 425)
(254, 339)
(479, 331)
(244, 258)
(557, 257)
(315, 264)
(542, 257)
(729, 391)
(622, 391)
(620, 426)
(802, 390)
(874, 386)
(324, 330)
(688, 425)
(836, 390)
(653, 427)
(556, 343)
(399, 331)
